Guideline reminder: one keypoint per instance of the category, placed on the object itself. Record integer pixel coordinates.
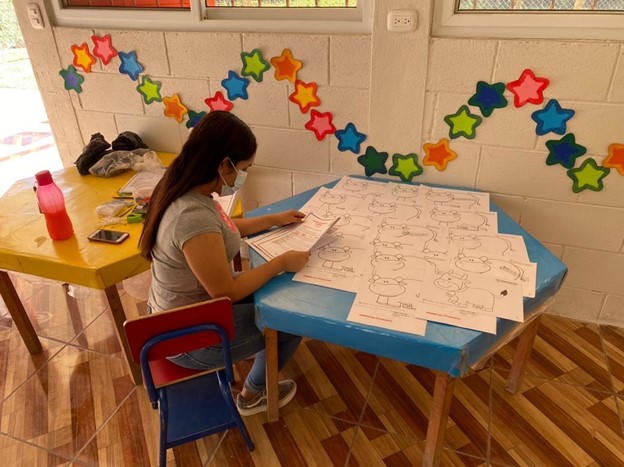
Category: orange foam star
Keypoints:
(305, 96)
(286, 67)
(615, 159)
(82, 57)
(174, 108)
(438, 154)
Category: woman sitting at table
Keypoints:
(191, 241)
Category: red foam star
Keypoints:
(321, 124)
(305, 96)
(286, 67)
(615, 159)
(82, 57)
(103, 48)
(438, 154)
(528, 88)
(174, 108)
(218, 102)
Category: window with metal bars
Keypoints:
(529, 19)
(541, 5)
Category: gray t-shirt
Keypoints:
(173, 282)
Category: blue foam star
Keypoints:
(552, 118)
(488, 97)
(564, 151)
(73, 79)
(194, 118)
(235, 86)
(130, 65)
(350, 139)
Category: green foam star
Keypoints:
(373, 161)
(254, 65)
(150, 90)
(588, 175)
(463, 123)
(405, 167)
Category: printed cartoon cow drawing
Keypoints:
(459, 294)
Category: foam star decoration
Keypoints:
(438, 154)
(218, 102)
(174, 108)
(528, 88)
(564, 151)
(254, 65)
(463, 123)
(588, 176)
(235, 86)
(350, 139)
(73, 79)
(130, 65)
(321, 124)
(103, 48)
(82, 57)
(552, 118)
(405, 166)
(305, 96)
(373, 161)
(150, 90)
(488, 97)
(615, 159)
(194, 118)
(286, 67)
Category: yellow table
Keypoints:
(26, 247)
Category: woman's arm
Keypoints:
(251, 225)
(207, 259)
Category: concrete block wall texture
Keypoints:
(396, 88)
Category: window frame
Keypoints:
(201, 18)
(513, 25)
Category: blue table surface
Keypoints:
(321, 313)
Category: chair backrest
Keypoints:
(140, 330)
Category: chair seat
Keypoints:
(194, 405)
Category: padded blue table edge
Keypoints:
(321, 313)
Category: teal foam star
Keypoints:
(254, 64)
(488, 97)
(552, 118)
(564, 151)
(405, 166)
(130, 65)
(588, 176)
(350, 139)
(194, 118)
(373, 161)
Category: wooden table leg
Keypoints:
(521, 356)
(270, 344)
(442, 397)
(18, 313)
(119, 317)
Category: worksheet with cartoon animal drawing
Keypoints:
(472, 292)
(447, 199)
(385, 302)
(330, 203)
(484, 264)
(456, 317)
(510, 247)
(361, 188)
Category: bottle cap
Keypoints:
(43, 178)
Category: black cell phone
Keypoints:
(108, 236)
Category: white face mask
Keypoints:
(241, 176)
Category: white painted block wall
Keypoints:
(397, 88)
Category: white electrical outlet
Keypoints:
(402, 20)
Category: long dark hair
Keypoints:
(217, 136)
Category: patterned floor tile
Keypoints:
(16, 453)
(613, 340)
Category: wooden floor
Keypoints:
(75, 404)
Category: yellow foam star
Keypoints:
(82, 57)
(305, 96)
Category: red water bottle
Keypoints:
(52, 205)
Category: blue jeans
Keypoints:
(248, 340)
